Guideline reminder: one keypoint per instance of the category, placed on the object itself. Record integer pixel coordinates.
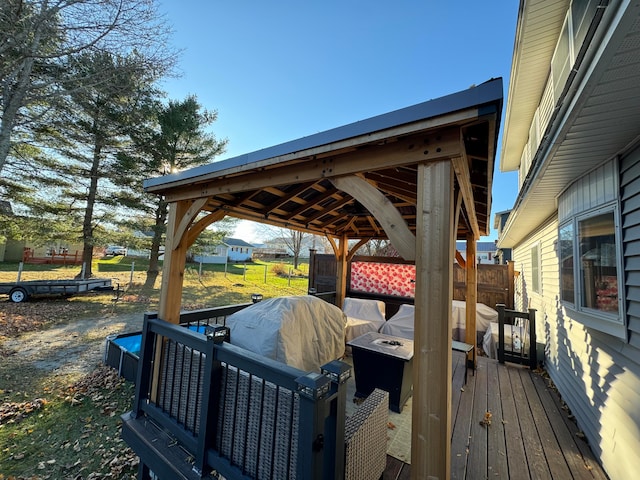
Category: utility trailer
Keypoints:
(21, 291)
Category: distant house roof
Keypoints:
(236, 242)
(480, 246)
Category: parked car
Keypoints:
(115, 250)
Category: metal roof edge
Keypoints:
(487, 92)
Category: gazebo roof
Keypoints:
(311, 183)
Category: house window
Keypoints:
(598, 264)
(535, 268)
(590, 269)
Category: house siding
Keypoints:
(597, 374)
(630, 216)
(525, 298)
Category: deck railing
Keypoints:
(520, 346)
(235, 412)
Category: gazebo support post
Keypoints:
(342, 253)
(435, 245)
(472, 292)
(175, 257)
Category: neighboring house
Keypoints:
(279, 247)
(213, 254)
(572, 131)
(264, 250)
(231, 250)
(485, 251)
(14, 250)
(501, 255)
(239, 250)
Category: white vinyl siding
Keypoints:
(543, 240)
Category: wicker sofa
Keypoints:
(208, 409)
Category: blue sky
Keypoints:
(279, 70)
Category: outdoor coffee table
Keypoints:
(385, 362)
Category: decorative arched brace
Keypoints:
(385, 212)
(334, 245)
(198, 227)
(355, 248)
(186, 222)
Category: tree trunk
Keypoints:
(154, 265)
(87, 224)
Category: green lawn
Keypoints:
(205, 285)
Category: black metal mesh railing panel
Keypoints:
(181, 380)
(257, 425)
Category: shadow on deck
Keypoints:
(529, 436)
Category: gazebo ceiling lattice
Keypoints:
(311, 184)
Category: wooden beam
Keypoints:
(325, 210)
(472, 291)
(312, 203)
(341, 270)
(175, 256)
(334, 245)
(254, 217)
(425, 147)
(461, 167)
(461, 261)
(294, 193)
(491, 119)
(435, 240)
(387, 215)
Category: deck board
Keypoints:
(478, 431)
(514, 444)
(538, 468)
(577, 452)
(552, 451)
(496, 448)
(530, 436)
(461, 423)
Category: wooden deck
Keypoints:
(530, 435)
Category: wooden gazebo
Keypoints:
(420, 177)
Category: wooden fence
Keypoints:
(495, 282)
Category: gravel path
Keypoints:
(71, 348)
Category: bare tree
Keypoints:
(38, 38)
(293, 240)
(375, 248)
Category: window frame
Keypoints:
(607, 322)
